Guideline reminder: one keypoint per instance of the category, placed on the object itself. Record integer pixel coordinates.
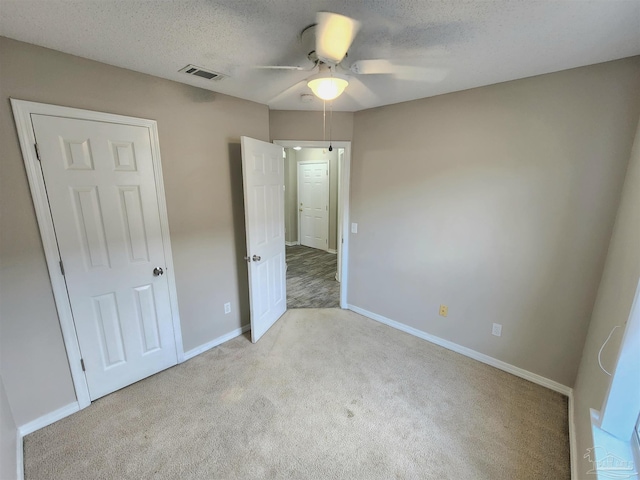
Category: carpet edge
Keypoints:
(216, 341)
(467, 352)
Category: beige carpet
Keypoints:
(326, 394)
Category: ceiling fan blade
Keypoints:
(334, 35)
(281, 67)
(402, 72)
(361, 93)
(367, 67)
(287, 91)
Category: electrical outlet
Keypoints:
(227, 308)
(444, 310)
(354, 228)
(496, 330)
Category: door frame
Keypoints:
(326, 193)
(22, 111)
(344, 171)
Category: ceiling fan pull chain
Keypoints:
(324, 120)
(330, 125)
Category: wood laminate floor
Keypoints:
(311, 278)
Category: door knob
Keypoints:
(248, 259)
(157, 271)
(257, 258)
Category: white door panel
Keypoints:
(102, 193)
(313, 198)
(263, 176)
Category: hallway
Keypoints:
(311, 278)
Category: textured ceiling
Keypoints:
(453, 45)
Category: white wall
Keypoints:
(498, 202)
(612, 307)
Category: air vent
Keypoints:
(202, 72)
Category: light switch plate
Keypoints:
(496, 330)
(354, 228)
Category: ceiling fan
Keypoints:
(327, 42)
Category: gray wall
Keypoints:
(498, 202)
(199, 141)
(291, 179)
(297, 125)
(8, 438)
(613, 306)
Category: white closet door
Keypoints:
(101, 189)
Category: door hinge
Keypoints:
(61, 267)
(37, 151)
(82, 363)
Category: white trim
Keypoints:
(216, 341)
(48, 419)
(481, 357)
(635, 449)
(344, 172)
(166, 239)
(37, 424)
(19, 456)
(22, 114)
(339, 229)
(327, 194)
(621, 406)
(291, 244)
(332, 251)
(344, 215)
(22, 111)
(606, 446)
(573, 454)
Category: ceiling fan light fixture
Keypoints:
(328, 87)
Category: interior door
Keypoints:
(101, 189)
(313, 199)
(263, 176)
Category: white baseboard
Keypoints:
(331, 250)
(74, 407)
(19, 456)
(481, 357)
(573, 454)
(291, 244)
(216, 341)
(48, 419)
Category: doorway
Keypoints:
(316, 206)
